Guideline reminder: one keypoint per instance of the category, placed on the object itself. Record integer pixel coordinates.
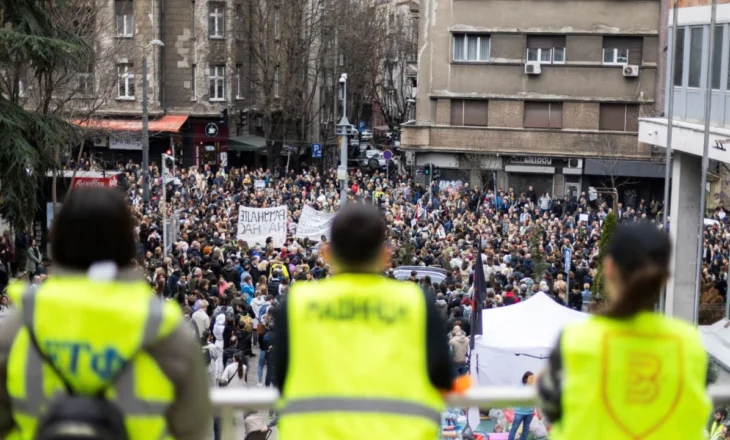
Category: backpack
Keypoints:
(73, 416)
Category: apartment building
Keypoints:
(689, 83)
(198, 91)
(547, 93)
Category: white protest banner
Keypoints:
(259, 184)
(314, 224)
(255, 225)
(583, 218)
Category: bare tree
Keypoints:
(393, 89)
(284, 61)
(609, 153)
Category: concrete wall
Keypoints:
(518, 141)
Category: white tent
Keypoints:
(518, 338)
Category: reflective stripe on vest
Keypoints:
(359, 405)
(126, 400)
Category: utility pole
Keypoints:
(145, 137)
(430, 180)
(343, 130)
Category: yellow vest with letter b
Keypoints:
(90, 329)
(357, 362)
(642, 378)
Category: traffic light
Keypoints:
(224, 116)
(427, 169)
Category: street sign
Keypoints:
(387, 154)
(362, 125)
(211, 130)
(290, 148)
(316, 151)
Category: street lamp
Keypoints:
(343, 130)
(145, 127)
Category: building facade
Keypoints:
(550, 91)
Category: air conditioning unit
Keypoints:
(101, 141)
(575, 163)
(631, 71)
(532, 69)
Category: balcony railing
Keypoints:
(255, 399)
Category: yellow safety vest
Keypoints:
(357, 362)
(90, 329)
(641, 378)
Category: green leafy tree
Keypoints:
(34, 48)
(609, 226)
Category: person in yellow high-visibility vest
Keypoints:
(95, 330)
(358, 355)
(629, 373)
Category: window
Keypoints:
(193, 26)
(679, 63)
(277, 33)
(85, 84)
(469, 112)
(217, 90)
(546, 49)
(717, 58)
(622, 50)
(471, 47)
(619, 117)
(125, 80)
(695, 55)
(342, 59)
(276, 82)
(194, 82)
(542, 114)
(239, 22)
(216, 21)
(239, 90)
(124, 11)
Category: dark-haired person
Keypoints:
(629, 373)
(719, 419)
(369, 350)
(523, 415)
(85, 351)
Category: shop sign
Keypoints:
(125, 141)
(211, 130)
(100, 182)
(531, 160)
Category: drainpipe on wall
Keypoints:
(161, 75)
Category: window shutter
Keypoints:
(636, 50)
(539, 42)
(556, 115)
(615, 43)
(537, 115)
(475, 113)
(612, 117)
(545, 41)
(457, 112)
(632, 118)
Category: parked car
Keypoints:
(368, 150)
(437, 274)
(366, 135)
(376, 161)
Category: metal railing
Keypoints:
(259, 399)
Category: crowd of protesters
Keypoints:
(227, 287)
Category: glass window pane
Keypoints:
(679, 63)
(459, 47)
(559, 55)
(717, 57)
(608, 56)
(484, 49)
(545, 55)
(532, 54)
(471, 48)
(695, 56)
(622, 56)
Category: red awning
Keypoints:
(167, 123)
